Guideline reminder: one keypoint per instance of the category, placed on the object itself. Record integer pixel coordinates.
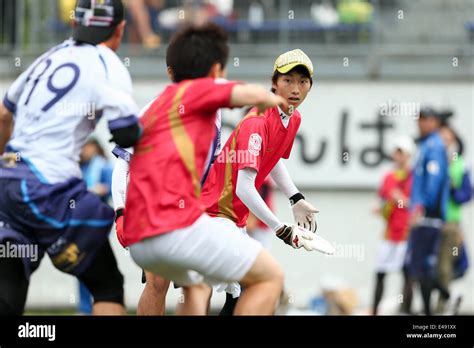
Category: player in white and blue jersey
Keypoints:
(45, 118)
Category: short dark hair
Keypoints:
(195, 49)
(298, 69)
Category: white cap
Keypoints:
(405, 144)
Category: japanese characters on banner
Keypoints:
(348, 128)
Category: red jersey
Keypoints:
(398, 217)
(165, 171)
(259, 142)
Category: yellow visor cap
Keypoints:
(292, 59)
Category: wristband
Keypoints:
(296, 197)
(285, 234)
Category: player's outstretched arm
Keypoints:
(303, 211)
(248, 194)
(282, 178)
(6, 126)
(255, 95)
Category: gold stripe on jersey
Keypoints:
(181, 138)
(154, 117)
(225, 208)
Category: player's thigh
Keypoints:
(225, 251)
(215, 249)
(158, 263)
(69, 222)
(265, 268)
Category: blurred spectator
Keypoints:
(355, 11)
(395, 194)
(256, 228)
(97, 173)
(96, 170)
(337, 298)
(451, 245)
(256, 15)
(66, 10)
(144, 21)
(197, 12)
(324, 14)
(212, 10)
(142, 15)
(429, 198)
(223, 8)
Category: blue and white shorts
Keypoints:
(64, 220)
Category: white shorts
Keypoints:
(207, 251)
(390, 256)
(232, 288)
(264, 236)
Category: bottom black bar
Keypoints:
(293, 331)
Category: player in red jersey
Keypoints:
(395, 194)
(165, 225)
(254, 150)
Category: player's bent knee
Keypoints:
(279, 275)
(103, 278)
(108, 288)
(278, 278)
(265, 268)
(158, 283)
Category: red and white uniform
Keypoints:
(167, 166)
(165, 225)
(258, 142)
(391, 252)
(398, 217)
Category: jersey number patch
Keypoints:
(59, 92)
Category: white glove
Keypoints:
(304, 214)
(295, 236)
(298, 237)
